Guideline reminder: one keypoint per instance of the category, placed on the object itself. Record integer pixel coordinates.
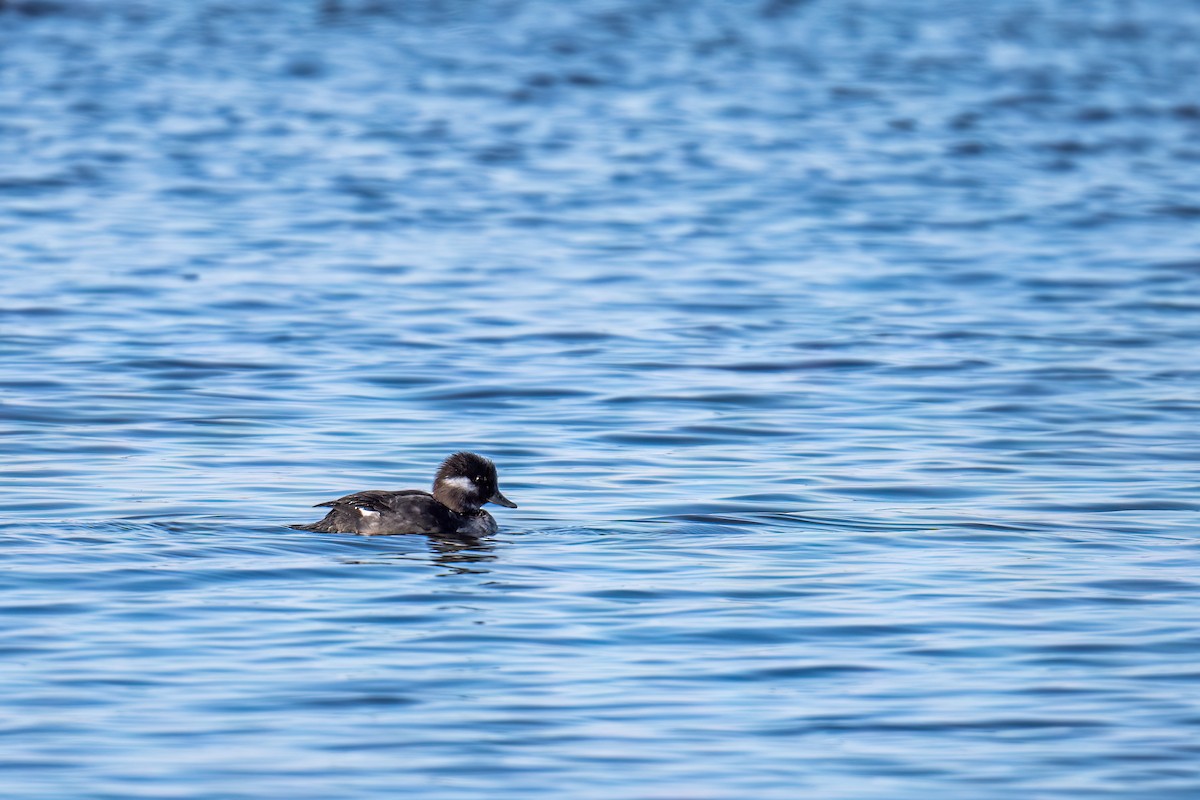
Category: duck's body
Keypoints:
(463, 484)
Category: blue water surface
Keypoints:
(842, 356)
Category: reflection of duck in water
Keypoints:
(463, 483)
(459, 554)
(462, 556)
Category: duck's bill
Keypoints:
(501, 500)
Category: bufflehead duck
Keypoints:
(463, 483)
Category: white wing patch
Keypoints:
(368, 513)
(459, 482)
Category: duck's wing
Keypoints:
(373, 500)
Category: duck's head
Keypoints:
(466, 481)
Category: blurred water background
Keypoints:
(841, 355)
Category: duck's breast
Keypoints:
(481, 524)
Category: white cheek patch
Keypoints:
(466, 484)
(368, 513)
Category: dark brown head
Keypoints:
(466, 481)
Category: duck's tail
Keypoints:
(320, 526)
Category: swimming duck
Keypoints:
(464, 482)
